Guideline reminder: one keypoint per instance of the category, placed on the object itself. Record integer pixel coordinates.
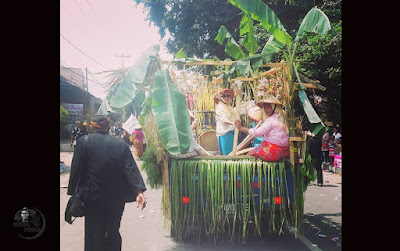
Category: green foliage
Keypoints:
(262, 13)
(63, 116)
(308, 170)
(314, 22)
(210, 194)
(247, 29)
(151, 167)
(171, 114)
(180, 54)
(193, 25)
(125, 88)
(232, 47)
(321, 58)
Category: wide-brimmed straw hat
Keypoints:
(138, 126)
(255, 113)
(270, 100)
(218, 95)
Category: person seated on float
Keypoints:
(194, 148)
(225, 117)
(275, 145)
(255, 113)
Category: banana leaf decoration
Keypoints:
(316, 22)
(171, 114)
(260, 12)
(247, 29)
(123, 93)
(246, 65)
(232, 47)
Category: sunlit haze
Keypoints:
(97, 33)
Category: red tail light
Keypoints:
(278, 200)
(185, 200)
(255, 185)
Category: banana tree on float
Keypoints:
(255, 10)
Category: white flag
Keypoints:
(130, 124)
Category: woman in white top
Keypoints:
(225, 117)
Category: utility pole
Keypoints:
(87, 82)
(87, 88)
(123, 56)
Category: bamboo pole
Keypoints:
(245, 151)
(244, 143)
(204, 150)
(236, 135)
(240, 146)
(246, 140)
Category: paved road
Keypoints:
(144, 230)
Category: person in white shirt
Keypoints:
(336, 133)
(225, 117)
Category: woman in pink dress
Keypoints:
(138, 137)
(275, 145)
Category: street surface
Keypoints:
(144, 230)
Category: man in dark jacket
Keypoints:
(314, 146)
(109, 179)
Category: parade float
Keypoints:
(230, 197)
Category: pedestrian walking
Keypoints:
(78, 131)
(314, 145)
(325, 147)
(109, 178)
(125, 137)
(137, 140)
(332, 146)
(117, 130)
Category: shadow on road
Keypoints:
(285, 241)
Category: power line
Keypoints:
(65, 9)
(102, 72)
(95, 89)
(68, 69)
(78, 5)
(90, 6)
(83, 52)
(96, 79)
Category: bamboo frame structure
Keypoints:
(288, 92)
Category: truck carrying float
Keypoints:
(216, 196)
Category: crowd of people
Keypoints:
(326, 151)
(331, 146)
(134, 139)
